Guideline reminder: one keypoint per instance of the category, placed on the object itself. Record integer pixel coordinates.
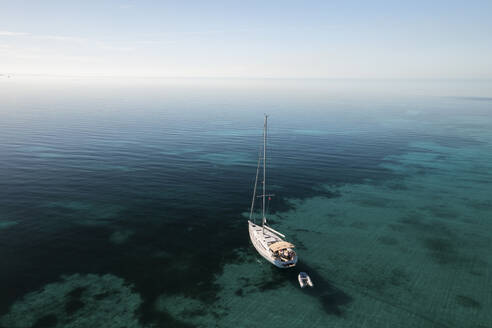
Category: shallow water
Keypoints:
(127, 199)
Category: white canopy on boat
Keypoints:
(279, 245)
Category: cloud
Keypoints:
(106, 46)
(9, 33)
(68, 39)
(44, 37)
(61, 38)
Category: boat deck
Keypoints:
(265, 236)
(262, 239)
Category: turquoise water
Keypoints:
(124, 203)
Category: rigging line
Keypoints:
(264, 166)
(256, 183)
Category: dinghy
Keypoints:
(304, 280)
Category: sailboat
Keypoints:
(268, 242)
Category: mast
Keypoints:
(264, 166)
(256, 184)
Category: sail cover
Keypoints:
(280, 245)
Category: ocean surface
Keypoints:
(124, 202)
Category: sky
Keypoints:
(248, 39)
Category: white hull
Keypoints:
(261, 239)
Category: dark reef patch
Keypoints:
(477, 266)
(244, 279)
(399, 277)
(441, 211)
(103, 295)
(73, 302)
(479, 205)
(194, 313)
(379, 281)
(442, 250)
(270, 283)
(374, 202)
(467, 301)
(47, 321)
(423, 224)
(397, 186)
(76, 292)
(73, 305)
(388, 240)
(438, 238)
(359, 225)
(397, 227)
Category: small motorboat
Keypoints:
(304, 280)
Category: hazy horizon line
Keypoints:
(246, 77)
